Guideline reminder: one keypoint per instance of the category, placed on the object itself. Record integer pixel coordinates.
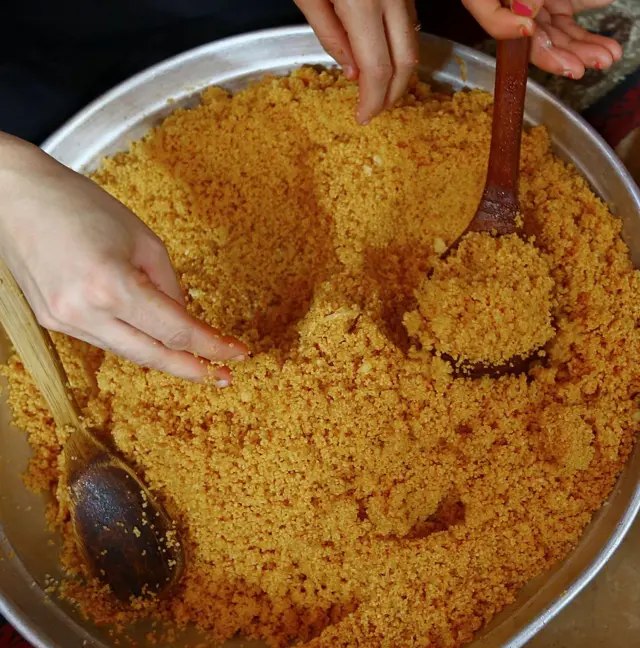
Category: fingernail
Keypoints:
(568, 73)
(349, 72)
(520, 8)
(222, 383)
(239, 358)
(598, 65)
(528, 27)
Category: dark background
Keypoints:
(58, 55)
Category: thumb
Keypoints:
(502, 23)
(526, 8)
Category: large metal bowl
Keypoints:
(28, 553)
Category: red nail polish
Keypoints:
(598, 65)
(524, 32)
(521, 9)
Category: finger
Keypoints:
(369, 45)
(151, 256)
(547, 56)
(80, 335)
(330, 33)
(527, 8)
(152, 312)
(569, 7)
(586, 5)
(499, 22)
(583, 52)
(125, 342)
(402, 41)
(577, 33)
(413, 15)
(129, 343)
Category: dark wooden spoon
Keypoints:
(499, 206)
(125, 536)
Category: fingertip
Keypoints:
(220, 376)
(227, 348)
(603, 61)
(511, 27)
(616, 50)
(362, 118)
(555, 60)
(501, 23)
(391, 101)
(350, 72)
(240, 351)
(527, 9)
(182, 365)
(179, 298)
(216, 375)
(370, 105)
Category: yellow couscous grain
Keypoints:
(347, 490)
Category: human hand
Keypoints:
(91, 269)
(560, 45)
(375, 42)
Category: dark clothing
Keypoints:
(58, 55)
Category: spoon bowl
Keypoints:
(498, 213)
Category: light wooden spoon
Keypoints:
(125, 536)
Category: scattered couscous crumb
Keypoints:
(347, 490)
(488, 302)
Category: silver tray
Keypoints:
(28, 554)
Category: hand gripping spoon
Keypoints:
(122, 532)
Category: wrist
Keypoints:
(16, 158)
(19, 161)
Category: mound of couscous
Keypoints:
(347, 489)
(488, 302)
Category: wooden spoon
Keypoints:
(499, 206)
(124, 535)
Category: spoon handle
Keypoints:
(508, 116)
(36, 349)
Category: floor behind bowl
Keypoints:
(607, 613)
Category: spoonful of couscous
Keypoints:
(486, 307)
(125, 536)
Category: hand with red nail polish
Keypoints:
(375, 42)
(560, 45)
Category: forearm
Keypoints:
(24, 168)
(20, 156)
